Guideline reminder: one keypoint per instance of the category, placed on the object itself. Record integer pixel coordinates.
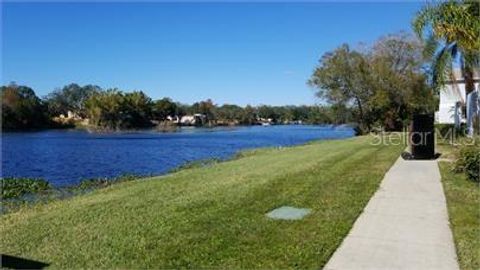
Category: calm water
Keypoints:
(65, 157)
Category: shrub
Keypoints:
(17, 187)
(95, 183)
(469, 162)
(446, 130)
(196, 164)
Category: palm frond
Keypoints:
(472, 60)
(442, 67)
(422, 20)
(430, 47)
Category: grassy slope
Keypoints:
(463, 200)
(213, 216)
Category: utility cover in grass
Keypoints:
(288, 213)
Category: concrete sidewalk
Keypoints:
(404, 226)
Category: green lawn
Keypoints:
(463, 201)
(212, 216)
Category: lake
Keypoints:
(65, 157)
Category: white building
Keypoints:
(452, 97)
(174, 119)
(196, 119)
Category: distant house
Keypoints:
(193, 120)
(174, 119)
(264, 121)
(70, 116)
(452, 97)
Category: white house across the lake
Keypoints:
(452, 96)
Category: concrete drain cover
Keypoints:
(288, 213)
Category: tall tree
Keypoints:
(229, 112)
(71, 97)
(398, 80)
(451, 31)
(341, 78)
(21, 108)
(383, 84)
(104, 109)
(136, 110)
(249, 116)
(163, 108)
(206, 108)
(268, 112)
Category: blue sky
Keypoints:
(242, 53)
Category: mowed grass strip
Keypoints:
(212, 216)
(463, 201)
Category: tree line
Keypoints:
(114, 109)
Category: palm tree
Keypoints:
(451, 31)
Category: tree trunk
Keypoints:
(362, 117)
(469, 81)
(469, 88)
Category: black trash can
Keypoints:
(422, 136)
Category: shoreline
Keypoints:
(76, 155)
(88, 185)
(170, 129)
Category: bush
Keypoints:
(96, 183)
(469, 162)
(196, 164)
(446, 130)
(17, 187)
(115, 110)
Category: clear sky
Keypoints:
(242, 53)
